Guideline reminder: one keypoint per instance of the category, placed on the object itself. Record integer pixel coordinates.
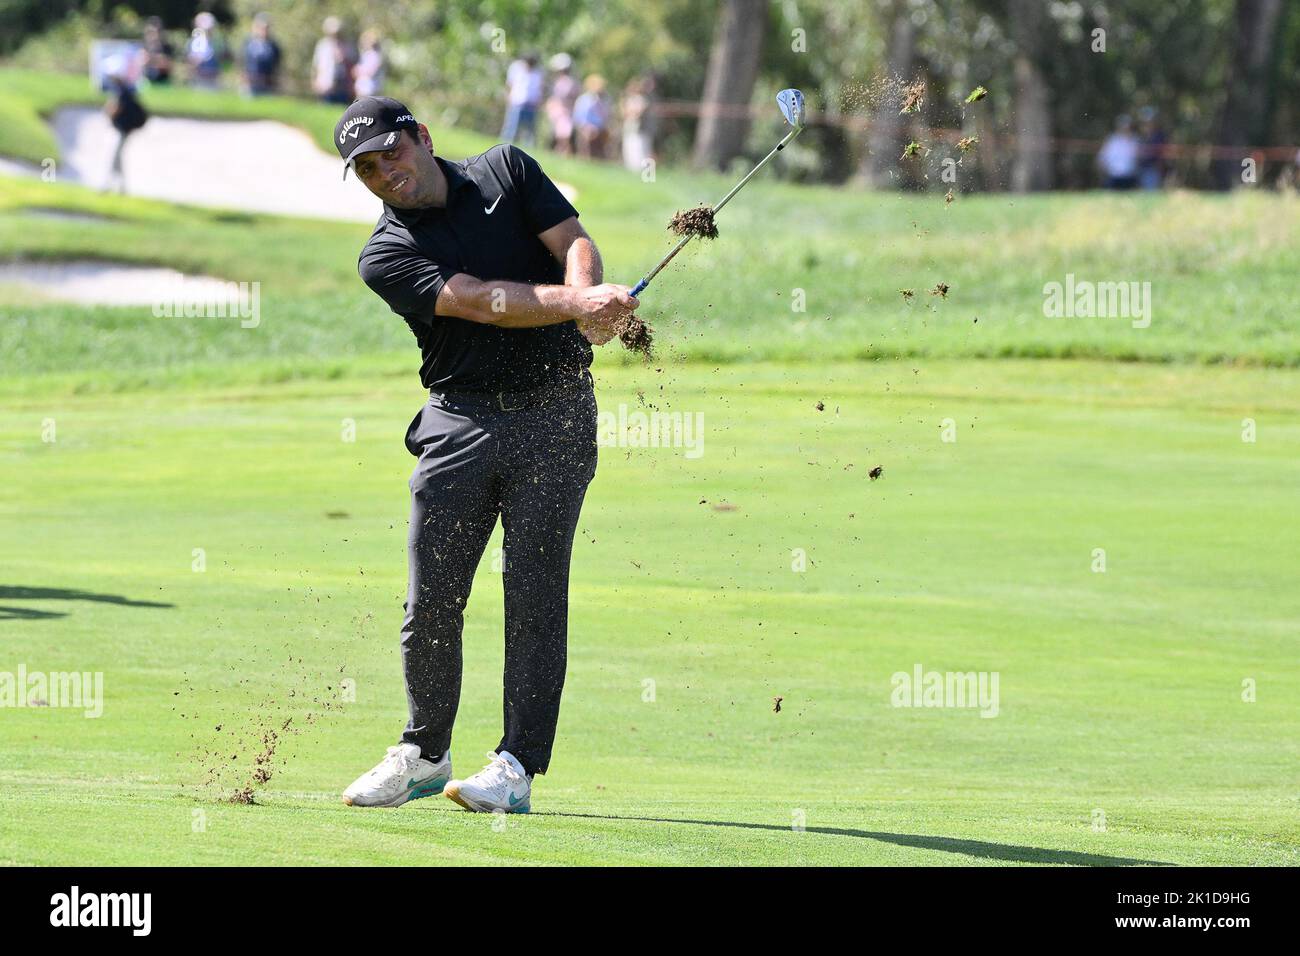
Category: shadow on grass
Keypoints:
(27, 614)
(12, 592)
(977, 848)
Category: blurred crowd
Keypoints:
(1135, 157)
(580, 115)
(340, 69)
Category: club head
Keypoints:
(792, 107)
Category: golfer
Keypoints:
(486, 262)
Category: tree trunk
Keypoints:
(1244, 120)
(729, 82)
(885, 140)
(1031, 166)
(990, 160)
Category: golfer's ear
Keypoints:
(423, 136)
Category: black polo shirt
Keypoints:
(497, 204)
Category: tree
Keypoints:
(729, 83)
(885, 141)
(1245, 117)
(1031, 167)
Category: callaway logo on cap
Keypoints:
(371, 123)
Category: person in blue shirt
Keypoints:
(261, 58)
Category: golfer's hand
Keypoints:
(601, 308)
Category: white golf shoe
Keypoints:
(401, 776)
(501, 785)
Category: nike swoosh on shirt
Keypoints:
(488, 209)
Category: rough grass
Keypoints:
(798, 272)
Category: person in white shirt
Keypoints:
(1118, 157)
(205, 52)
(331, 64)
(369, 73)
(638, 122)
(559, 106)
(525, 82)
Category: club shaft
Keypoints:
(662, 262)
(640, 286)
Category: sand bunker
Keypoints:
(113, 283)
(255, 166)
(252, 165)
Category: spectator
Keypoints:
(332, 63)
(127, 115)
(591, 118)
(559, 106)
(261, 58)
(1289, 174)
(158, 53)
(638, 122)
(205, 52)
(1151, 155)
(1293, 171)
(524, 84)
(369, 73)
(1118, 157)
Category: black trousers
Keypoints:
(531, 466)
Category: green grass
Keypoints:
(1221, 269)
(1119, 692)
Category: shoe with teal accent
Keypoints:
(400, 777)
(501, 786)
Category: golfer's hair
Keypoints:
(415, 136)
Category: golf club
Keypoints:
(791, 103)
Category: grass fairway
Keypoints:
(1120, 692)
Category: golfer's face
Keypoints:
(401, 176)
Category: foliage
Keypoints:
(448, 59)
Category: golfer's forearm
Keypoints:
(582, 264)
(518, 305)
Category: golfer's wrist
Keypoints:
(578, 306)
(559, 303)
